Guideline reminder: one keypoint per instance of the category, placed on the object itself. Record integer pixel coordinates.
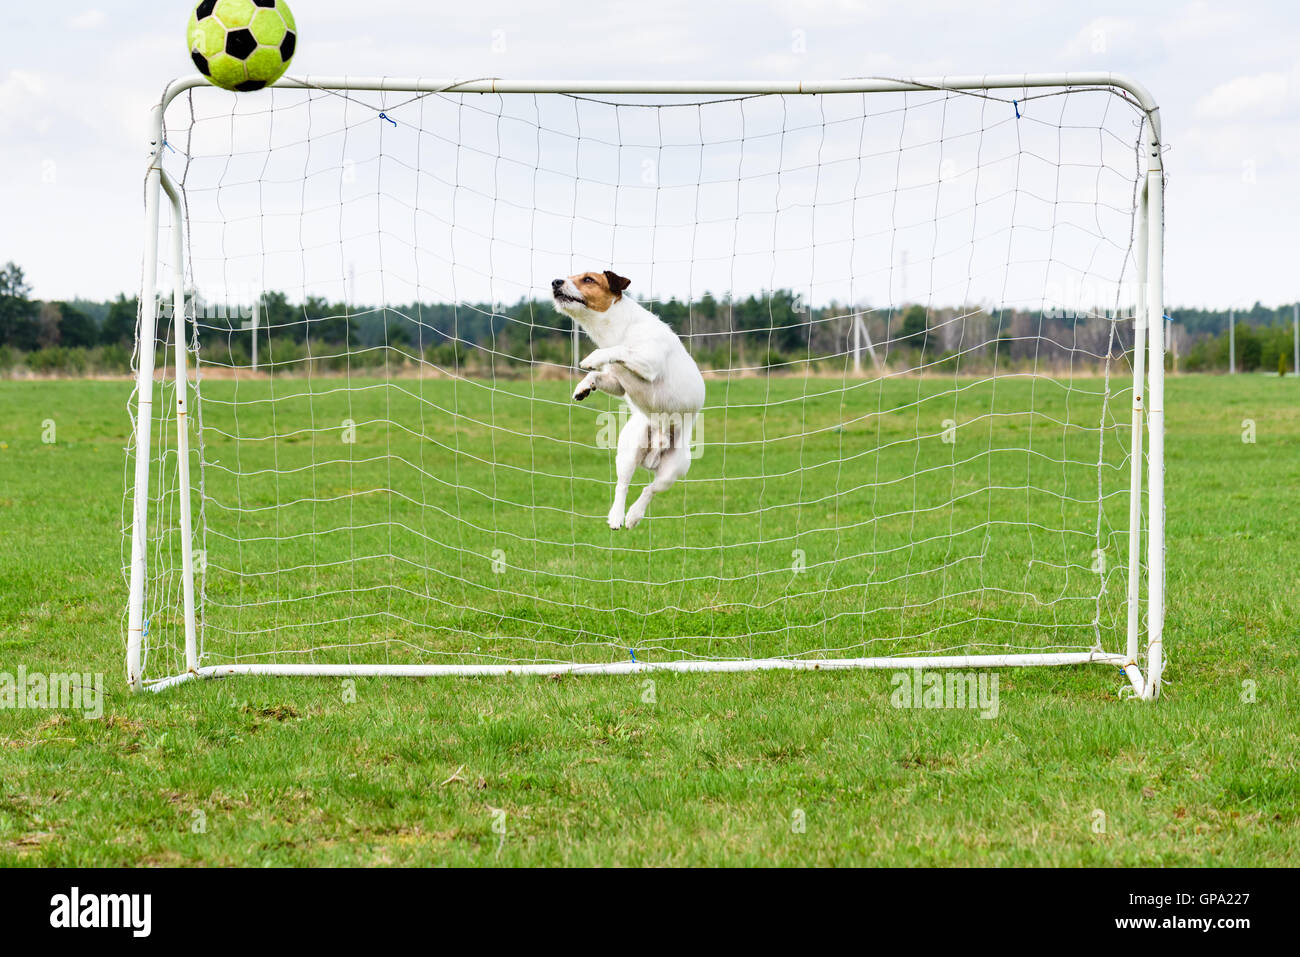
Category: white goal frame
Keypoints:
(1147, 403)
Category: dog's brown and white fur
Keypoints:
(638, 356)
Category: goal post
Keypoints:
(355, 450)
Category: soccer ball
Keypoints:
(242, 44)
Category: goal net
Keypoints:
(920, 309)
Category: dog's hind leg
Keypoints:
(631, 449)
(673, 464)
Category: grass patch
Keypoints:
(709, 769)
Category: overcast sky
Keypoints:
(77, 79)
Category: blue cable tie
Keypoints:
(632, 652)
(385, 116)
(1016, 105)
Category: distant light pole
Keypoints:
(251, 324)
(860, 337)
(1232, 342)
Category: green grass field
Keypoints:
(771, 768)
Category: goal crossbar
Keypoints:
(1145, 568)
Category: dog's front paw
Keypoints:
(615, 519)
(593, 361)
(582, 392)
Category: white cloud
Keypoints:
(819, 11)
(21, 83)
(89, 20)
(21, 94)
(1200, 20)
(1261, 95)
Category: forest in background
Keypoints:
(772, 331)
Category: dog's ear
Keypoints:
(616, 282)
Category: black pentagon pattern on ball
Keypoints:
(201, 62)
(240, 43)
(204, 9)
(287, 45)
(248, 86)
(264, 3)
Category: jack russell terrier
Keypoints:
(639, 356)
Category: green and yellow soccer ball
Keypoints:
(242, 44)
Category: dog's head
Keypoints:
(588, 292)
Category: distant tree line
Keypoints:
(772, 331)
(66, 337)
(1212, 322)
(1258, 348)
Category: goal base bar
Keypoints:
(1125, 664)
